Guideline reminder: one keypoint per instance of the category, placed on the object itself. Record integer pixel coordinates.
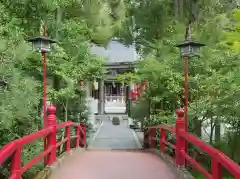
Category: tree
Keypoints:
(74, 28)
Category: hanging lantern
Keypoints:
(95, 84)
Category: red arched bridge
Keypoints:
(99, 162)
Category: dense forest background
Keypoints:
(155, 27)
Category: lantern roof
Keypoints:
(191, 43)
(41, 38)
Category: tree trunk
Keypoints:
(176, 14)
(217, 131)
(211, 132)
(66, 111)
(56, 79)
(180, 9)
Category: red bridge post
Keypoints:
(68, 136)
(162, 140)
(180, 142)
(52, 141)
(78, 130)
(153, 135)
(83, 137)
(146, 139)
(216, 168)
(16, 163)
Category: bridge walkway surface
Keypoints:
(112, 136)
(114, 153)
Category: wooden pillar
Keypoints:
(101, 102)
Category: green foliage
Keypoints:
(213, 77)
(74, 24)
(127, 78)
(155, 27)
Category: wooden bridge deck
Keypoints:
(106, 158)
(113, 164)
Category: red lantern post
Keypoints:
(45, 120)
(188, 49)
(42, 44)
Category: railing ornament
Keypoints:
(180, 113)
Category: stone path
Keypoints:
(114, 137)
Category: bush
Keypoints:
(116, 121)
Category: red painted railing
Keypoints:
(13, 149)
(218, 159)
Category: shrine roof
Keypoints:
(116, 52)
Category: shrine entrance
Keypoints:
(112, 96)
(115, 97)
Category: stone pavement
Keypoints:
(114, 137)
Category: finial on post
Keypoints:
(180, 113)
(51, 109)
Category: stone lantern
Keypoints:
(190, 48)
(41, 44)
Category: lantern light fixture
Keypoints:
(41, 43)
(190, 48)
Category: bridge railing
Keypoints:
(218, 159)
(13, 149)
